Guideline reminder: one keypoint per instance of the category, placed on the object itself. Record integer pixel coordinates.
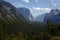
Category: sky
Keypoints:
(37, 7)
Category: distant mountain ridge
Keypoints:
(53, 17)
(40, 18)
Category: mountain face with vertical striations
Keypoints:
(26, 13)
(53, 17)
(10, 14)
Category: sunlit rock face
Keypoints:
(26, 13)
(40, 18)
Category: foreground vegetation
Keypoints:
(14, 31)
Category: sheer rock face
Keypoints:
(53, 17)
(26, 13)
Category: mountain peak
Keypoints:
(54, 17)
(55, 11)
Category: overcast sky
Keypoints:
(37, 7)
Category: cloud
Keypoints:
(53, 2)
(36, 0)
(41, 9)
(26, 1)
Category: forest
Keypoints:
(17, 31)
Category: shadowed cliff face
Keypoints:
(53, 17)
